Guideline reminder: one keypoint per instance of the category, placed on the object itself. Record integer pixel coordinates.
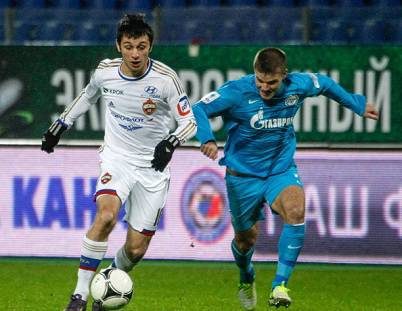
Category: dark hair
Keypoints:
(270, 60)
(134, 26)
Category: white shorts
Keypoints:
(142, 189)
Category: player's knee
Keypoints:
(243, 247)
(295, 214)
(106, 219)
(245, 243)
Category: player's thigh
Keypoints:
(285, 194)
(291, 197)
(114, 180)
(246, 201)
(109, 204)
(144, 207)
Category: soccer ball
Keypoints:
(112, 288)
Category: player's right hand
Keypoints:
(210, 149)
(52, 136)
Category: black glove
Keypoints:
(52, 136)
(163, 152)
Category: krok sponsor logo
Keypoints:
(112, 91)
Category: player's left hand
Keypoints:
(371, 112)
(163, 152)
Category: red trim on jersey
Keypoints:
(87, 268)
(147, 232)
(105, 191)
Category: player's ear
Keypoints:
(118, 46)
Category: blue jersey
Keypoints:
(261, 138)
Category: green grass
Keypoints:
(45, 284)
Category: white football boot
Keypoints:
(248, 295)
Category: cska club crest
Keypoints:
(149, 107)
(106, 178)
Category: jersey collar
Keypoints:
(124, 77)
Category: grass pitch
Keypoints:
(46, 284)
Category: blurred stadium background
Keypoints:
(352, 169)
(209, 21)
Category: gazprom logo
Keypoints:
(150, 89)
(258, 122)
(204, 206)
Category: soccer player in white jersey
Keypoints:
(141, 96)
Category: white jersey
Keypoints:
(138, 109)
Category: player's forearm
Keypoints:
(186, 130)
(354, 102)
(77, 108)
(204, 130)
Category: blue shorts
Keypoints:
(247, 195)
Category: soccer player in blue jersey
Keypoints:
(259, 158)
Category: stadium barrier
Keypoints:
(353, 207)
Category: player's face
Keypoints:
(268, 83)
(135, 53)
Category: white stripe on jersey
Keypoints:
(163, 69)
(187, 130)
(71, 106)
(113, 63)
